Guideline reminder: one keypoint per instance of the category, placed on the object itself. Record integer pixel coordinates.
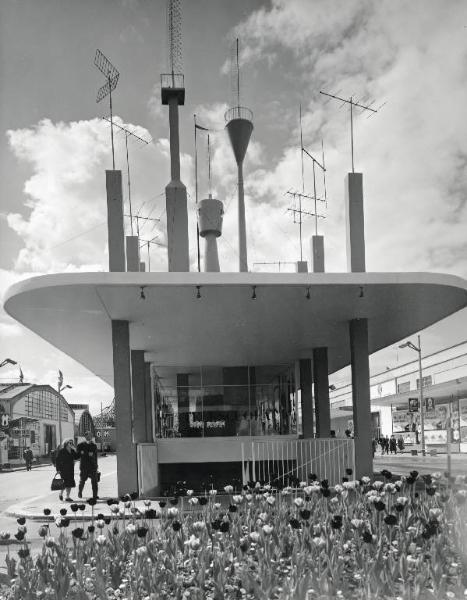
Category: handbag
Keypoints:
(57, 482)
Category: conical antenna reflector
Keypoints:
(239, 130)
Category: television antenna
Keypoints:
(353, 104)
(111, 74)
(128, 133)
(323, 169)
(147, 243)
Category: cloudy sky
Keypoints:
(407, 56)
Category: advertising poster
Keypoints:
(438, 420)
(463, 424)
(404, 421)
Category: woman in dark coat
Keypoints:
(65, 464)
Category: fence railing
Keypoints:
(283, 460)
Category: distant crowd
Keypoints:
(388, 445)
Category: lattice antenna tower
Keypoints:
(111, 74)
(174, 37)
(354, 104)
(128, 134)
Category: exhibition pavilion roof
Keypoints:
(226, 326)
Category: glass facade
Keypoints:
(231, 401)
(44, 404)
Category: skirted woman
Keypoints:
(65, 464)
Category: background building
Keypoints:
(395, 401)
(83, 420)
(30, 418)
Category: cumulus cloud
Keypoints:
(412, 153)
(64, 228)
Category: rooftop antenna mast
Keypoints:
(128, 133)
(173, 95)
(352, 105)
(196, 187)
(239, 126)
(111, 74)
(302, 195)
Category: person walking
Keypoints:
(65, 464)
(400, 443)
(393, 445)
(28, 456)
(87, 452)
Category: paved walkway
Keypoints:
(33, 508)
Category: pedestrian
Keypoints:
(393, 445)
(65, 464)
(332, 433)
(386, 445)
(374, 444)
(400, 443)
(87, 452)
(28, 456)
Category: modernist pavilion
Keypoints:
(222, 376)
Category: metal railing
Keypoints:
(284, 460)
(238, 112)
(172, 80)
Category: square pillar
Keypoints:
(306, 392)
(317, 253)
(127, 464)
(183, 403)
(115, 227)
(355, 223)
(138, 389)
(177, 227)
(321, 381)
(148, 396)
(358, 329)
(132, 253)
(302, 266)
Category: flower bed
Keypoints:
(361, 539)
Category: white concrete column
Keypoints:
(317, 253)
(355, 222)
(174, 138)
(306, 392)
(127, 465)
(358, 329)
(177, 227)
(116, 231)
(132, 253)
(321, 381)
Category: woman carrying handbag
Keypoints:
(65, 464)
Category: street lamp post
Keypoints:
(60, 388)
(418, 349)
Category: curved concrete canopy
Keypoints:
(226, 327)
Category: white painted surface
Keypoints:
(226, 327)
